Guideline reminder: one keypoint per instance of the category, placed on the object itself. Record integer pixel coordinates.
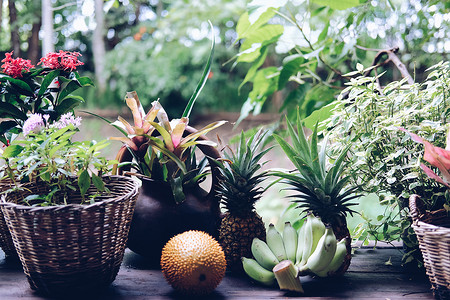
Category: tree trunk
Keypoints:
(15, 39)
(98, 46)
(33, 49)
(47, 27)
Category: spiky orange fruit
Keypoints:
(193, 262)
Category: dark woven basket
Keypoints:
(6, 242)
(72, 248)
(433, 232)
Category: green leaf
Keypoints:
(47, 81)
(12, 151)
(98, 182)
(291, 66)
(19, 83)
(165, 135)
(8, 110)
(250, 49)
(246, 27)
(6, 126)
(202, 131)
(320, 115)
(203, 79)
(84, 181)
(323, 35)
(68, 104)
(176, 184)
(337, 4)
(85, 81)
(296, 97)
(72, 86)
(255, 66)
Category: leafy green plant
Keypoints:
(47, 90)
(386, 161)
(47, 154)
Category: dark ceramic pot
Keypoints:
(157, 217)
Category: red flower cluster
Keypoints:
(61, 60)
(14, 66)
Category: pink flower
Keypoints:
(34, 123)
(66, 120)
(15, 66)
(65, 60)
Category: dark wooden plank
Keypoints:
(367, 278)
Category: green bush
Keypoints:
(384, 158)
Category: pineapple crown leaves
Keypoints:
(320, 189)
(240, 187)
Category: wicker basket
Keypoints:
(72, 248)
(6, 242)
(433, 232)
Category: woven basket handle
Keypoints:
(414, 207)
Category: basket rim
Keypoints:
(61, 207)
(417, 214)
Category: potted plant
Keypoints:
(67, 210)
(163, 156)
(161, 152)
(432, 227)
(26, 89)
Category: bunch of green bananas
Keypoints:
(313, 250)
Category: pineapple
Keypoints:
(319, 188)
(239, 190)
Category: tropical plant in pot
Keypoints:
(26, 89)
(432, 226)
(162, 154)
(65, 207)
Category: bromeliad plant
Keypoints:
(46, 154)
(161, 150)
(47, 90)
(167, 156)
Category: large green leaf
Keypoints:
(18, 83)
(251, 47)
(320, 115)
(246, 27)
(203, 79)
(72, 86)
(84, 182)
(6, 126)
(47, 81)
(85, 81)
(338, 4)
(7, 110)
(68, 104)
(12, 151)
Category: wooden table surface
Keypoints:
(369, 277)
